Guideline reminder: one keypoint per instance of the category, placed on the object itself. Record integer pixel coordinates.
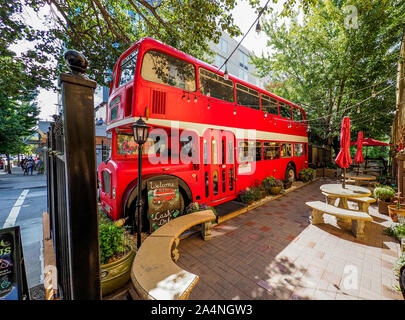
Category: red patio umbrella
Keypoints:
(358, 158)
(370, 142)
(343, 158)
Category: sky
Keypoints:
(244, 16)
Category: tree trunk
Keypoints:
(8, 163)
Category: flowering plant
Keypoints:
(398, 201)
(195, 206)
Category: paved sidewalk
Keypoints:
(273, 252)
(17, 180)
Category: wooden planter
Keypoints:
(275, 190)
(330, 173)
(319, 172)
(394, 212)
(287, 185)
(383, 206)
(116, 274)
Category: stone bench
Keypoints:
(154, 274)
(363, 203)
(357, 218)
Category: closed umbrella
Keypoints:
(358, 158)
(343, 158)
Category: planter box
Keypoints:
(330, 173)
(394, 212)
(116, 274)
(383, 207)
(319, 172)
(275, 190)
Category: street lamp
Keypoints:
(141, 132)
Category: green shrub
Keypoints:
(385, 193)
(112, 241)
(195, 207)
(397, 269)
(306, 175)
(397, 230)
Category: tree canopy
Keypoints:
(103, 29)
(19, 79)
(335, 61)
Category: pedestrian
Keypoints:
(22, 164)
(39, 166)
(30, 165)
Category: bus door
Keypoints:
(219, 164)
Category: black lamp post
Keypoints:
(141, 132)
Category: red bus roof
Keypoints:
(150, 42)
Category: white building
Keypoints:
(239, 64)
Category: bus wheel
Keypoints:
(290, 174)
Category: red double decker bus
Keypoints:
(216, 136)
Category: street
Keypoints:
(22, 202)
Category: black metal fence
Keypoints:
(72, 191)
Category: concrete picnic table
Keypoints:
(336, 190)
(358, 179)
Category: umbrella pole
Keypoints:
(344, 178)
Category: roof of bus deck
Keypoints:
(164, 47)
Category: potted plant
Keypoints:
(384, 196)
(246, 196)
(116, 255)
(195, 207)
(273, 185)
(397, 231)
(307, 175)
(330, 170)
(396, 209)
(399, 270)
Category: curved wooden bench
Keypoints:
(357, 218)
(154, 274)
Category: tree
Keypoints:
(103, 29)
(19, 78)
(330, 62)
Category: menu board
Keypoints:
(163, 202)
(13, 279)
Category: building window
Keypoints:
(243, 60)
(223, 46)
(219, 62)
(244, 75)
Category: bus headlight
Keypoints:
(113, 192)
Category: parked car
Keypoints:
(1, 163)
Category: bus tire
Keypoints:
(290, 174)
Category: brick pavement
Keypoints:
(273, 252)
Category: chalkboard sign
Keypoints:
(163, 202)
(13, 278)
